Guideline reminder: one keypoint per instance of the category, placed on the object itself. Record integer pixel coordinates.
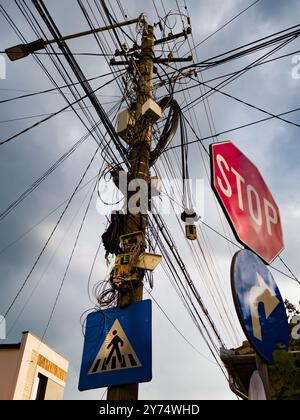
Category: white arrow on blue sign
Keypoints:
(259, 304)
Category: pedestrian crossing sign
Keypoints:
(117, 347)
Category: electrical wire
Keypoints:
(31, 19)
(50, 236)
(177, 329)
(30, 117)
(24, 306)
(235, 73)
(228, 95)
(42, 10)
(195, 254)
(235, 244)
(170, 243)
(277, 38)
(86, 54)
(174, 78)
(68, 265)
(200, 140)
(20, 237)
(50, 116)
(290, 271)
(29, 95)
(224, 25)
(92, 270)
(44, 176)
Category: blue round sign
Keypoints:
(259, 304)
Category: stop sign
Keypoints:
(246, 200)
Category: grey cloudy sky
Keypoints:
(178, 371)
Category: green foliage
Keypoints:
(285, 376)
(291, 309)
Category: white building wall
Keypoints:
(19, 369)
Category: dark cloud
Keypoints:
(273, 146)
(278, 10)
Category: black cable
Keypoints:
(185, 164)
(44, 176)
(170, 127)
(224, 25)
(51, 235)
(235, 73)
(228, 95)
(30, 117)
(100, 41)
(288, 268)
(65, 77)
(68, 264)
(183, 294)
(294, 33)
(12, 23)
(86, 54)
(176, 328)
(92, 269)
(207, 64)
(52, 89)
(29, 16)
(200, 140)
(43, 219)
(167, 237)
(45, 269)
(231, 79)
(51, 115)
(41, 8)
(120, 27)
(240, 247)
(110, 19)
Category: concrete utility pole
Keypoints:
(140, 169)
(140, 146)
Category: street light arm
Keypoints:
(23, 50)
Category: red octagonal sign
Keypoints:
(246, 201)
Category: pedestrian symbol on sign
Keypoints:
(114, 344)
(115, 353)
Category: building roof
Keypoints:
(241, 363)
(240, 368)
(10, 346)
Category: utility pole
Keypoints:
(139, 159)
(139, 155)
(140, 169)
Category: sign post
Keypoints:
(262, 368)
(246, 200)
(257, 389)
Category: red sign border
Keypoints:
(227, 215)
